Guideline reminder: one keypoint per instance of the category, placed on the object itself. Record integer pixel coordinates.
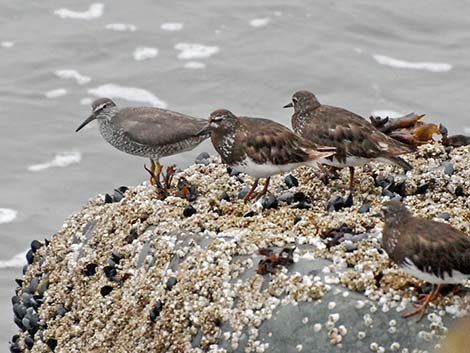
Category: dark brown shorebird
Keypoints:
(260, 147)
(146, 132)
(356, 140)
(431, 251)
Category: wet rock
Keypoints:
(19, 310)
(15, 300)
(90, 269)
(18, 322)
(350, 247)
(245, 190)
(444, 215)
(171, 282)
(117, 195)
(224, 196)
(269, 202)
(35, 245)
(105, 290)
(14, 348)
(19, 282)
(30, 256)
(448, 168)
(291, 181)
(457, 140)
(116, 257)
(25, 268)
(156, 310)
(286, 197)
(108, 198)
(365, 208)
(297, 219)
(202, 158)
(29, 342)
(189, 211)
(336, 202)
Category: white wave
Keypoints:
(121, 27)
(7, 44)
(60, 160)
(129, 93)
(385, 113)
(277, 13)
(7, 215)
(466, 130)
(433, 67)
(86, 101)
(144, 53)
(73, 74)
(94, 11)
(194, 65)
(260, 22)
(19, 260)
(55, 93)
(195, 50)
(171, 26)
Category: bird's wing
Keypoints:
(438, 247)
(351, 134)
(150, 126)
(268, 141)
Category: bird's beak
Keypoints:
(205, 130)
(290, 105)
(88, 120)
(378, 214)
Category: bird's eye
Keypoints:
(295, 100)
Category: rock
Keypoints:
(30, 256)
(51, 343)
(303, 205)
(108, 198)
(90, 269)
(61, 309)
(171, 282)
(297, 219)
(269, 202)
(422, 188)
(118, 195)
(189, 211)
(232, 171)
(365, 208)
(291, 181)
(33, 285)
(249, 214)
(133, 234)
(105, 290)
(459, 191)
(335, 203)
(300, 197)
(35, 245)
(156, 310)
(29, 342)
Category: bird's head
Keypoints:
(303, 101)
(102, 108)
(221, 119)
(394, 211)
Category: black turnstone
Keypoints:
(146, 131)
(260, 147)
(431, 251)
(355, 139)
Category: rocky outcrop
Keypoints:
(301, 270)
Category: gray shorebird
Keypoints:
(356, 140)
(431, 251)
(146, 131)
(260, 147)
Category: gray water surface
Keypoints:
(249, 67)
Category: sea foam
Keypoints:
(433, 67)
(7, 44)
(129, 93)
(195, 50)
(55, 93)
(7, 215)
(16, 261)
(194, 65)
(60, 160)
(171, 26)
(121, 27)
(94, 11)
(73, 74)
(260, 22)
(144, 53)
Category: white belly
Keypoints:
(457, 277)
(248, 166)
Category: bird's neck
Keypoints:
(301, 118)
(105, 118)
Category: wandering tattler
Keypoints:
(260, 147)
(146, 131)
(355, 139)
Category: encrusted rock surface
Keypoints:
(141, 274)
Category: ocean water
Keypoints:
(194, 57)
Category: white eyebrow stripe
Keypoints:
(101, 106)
